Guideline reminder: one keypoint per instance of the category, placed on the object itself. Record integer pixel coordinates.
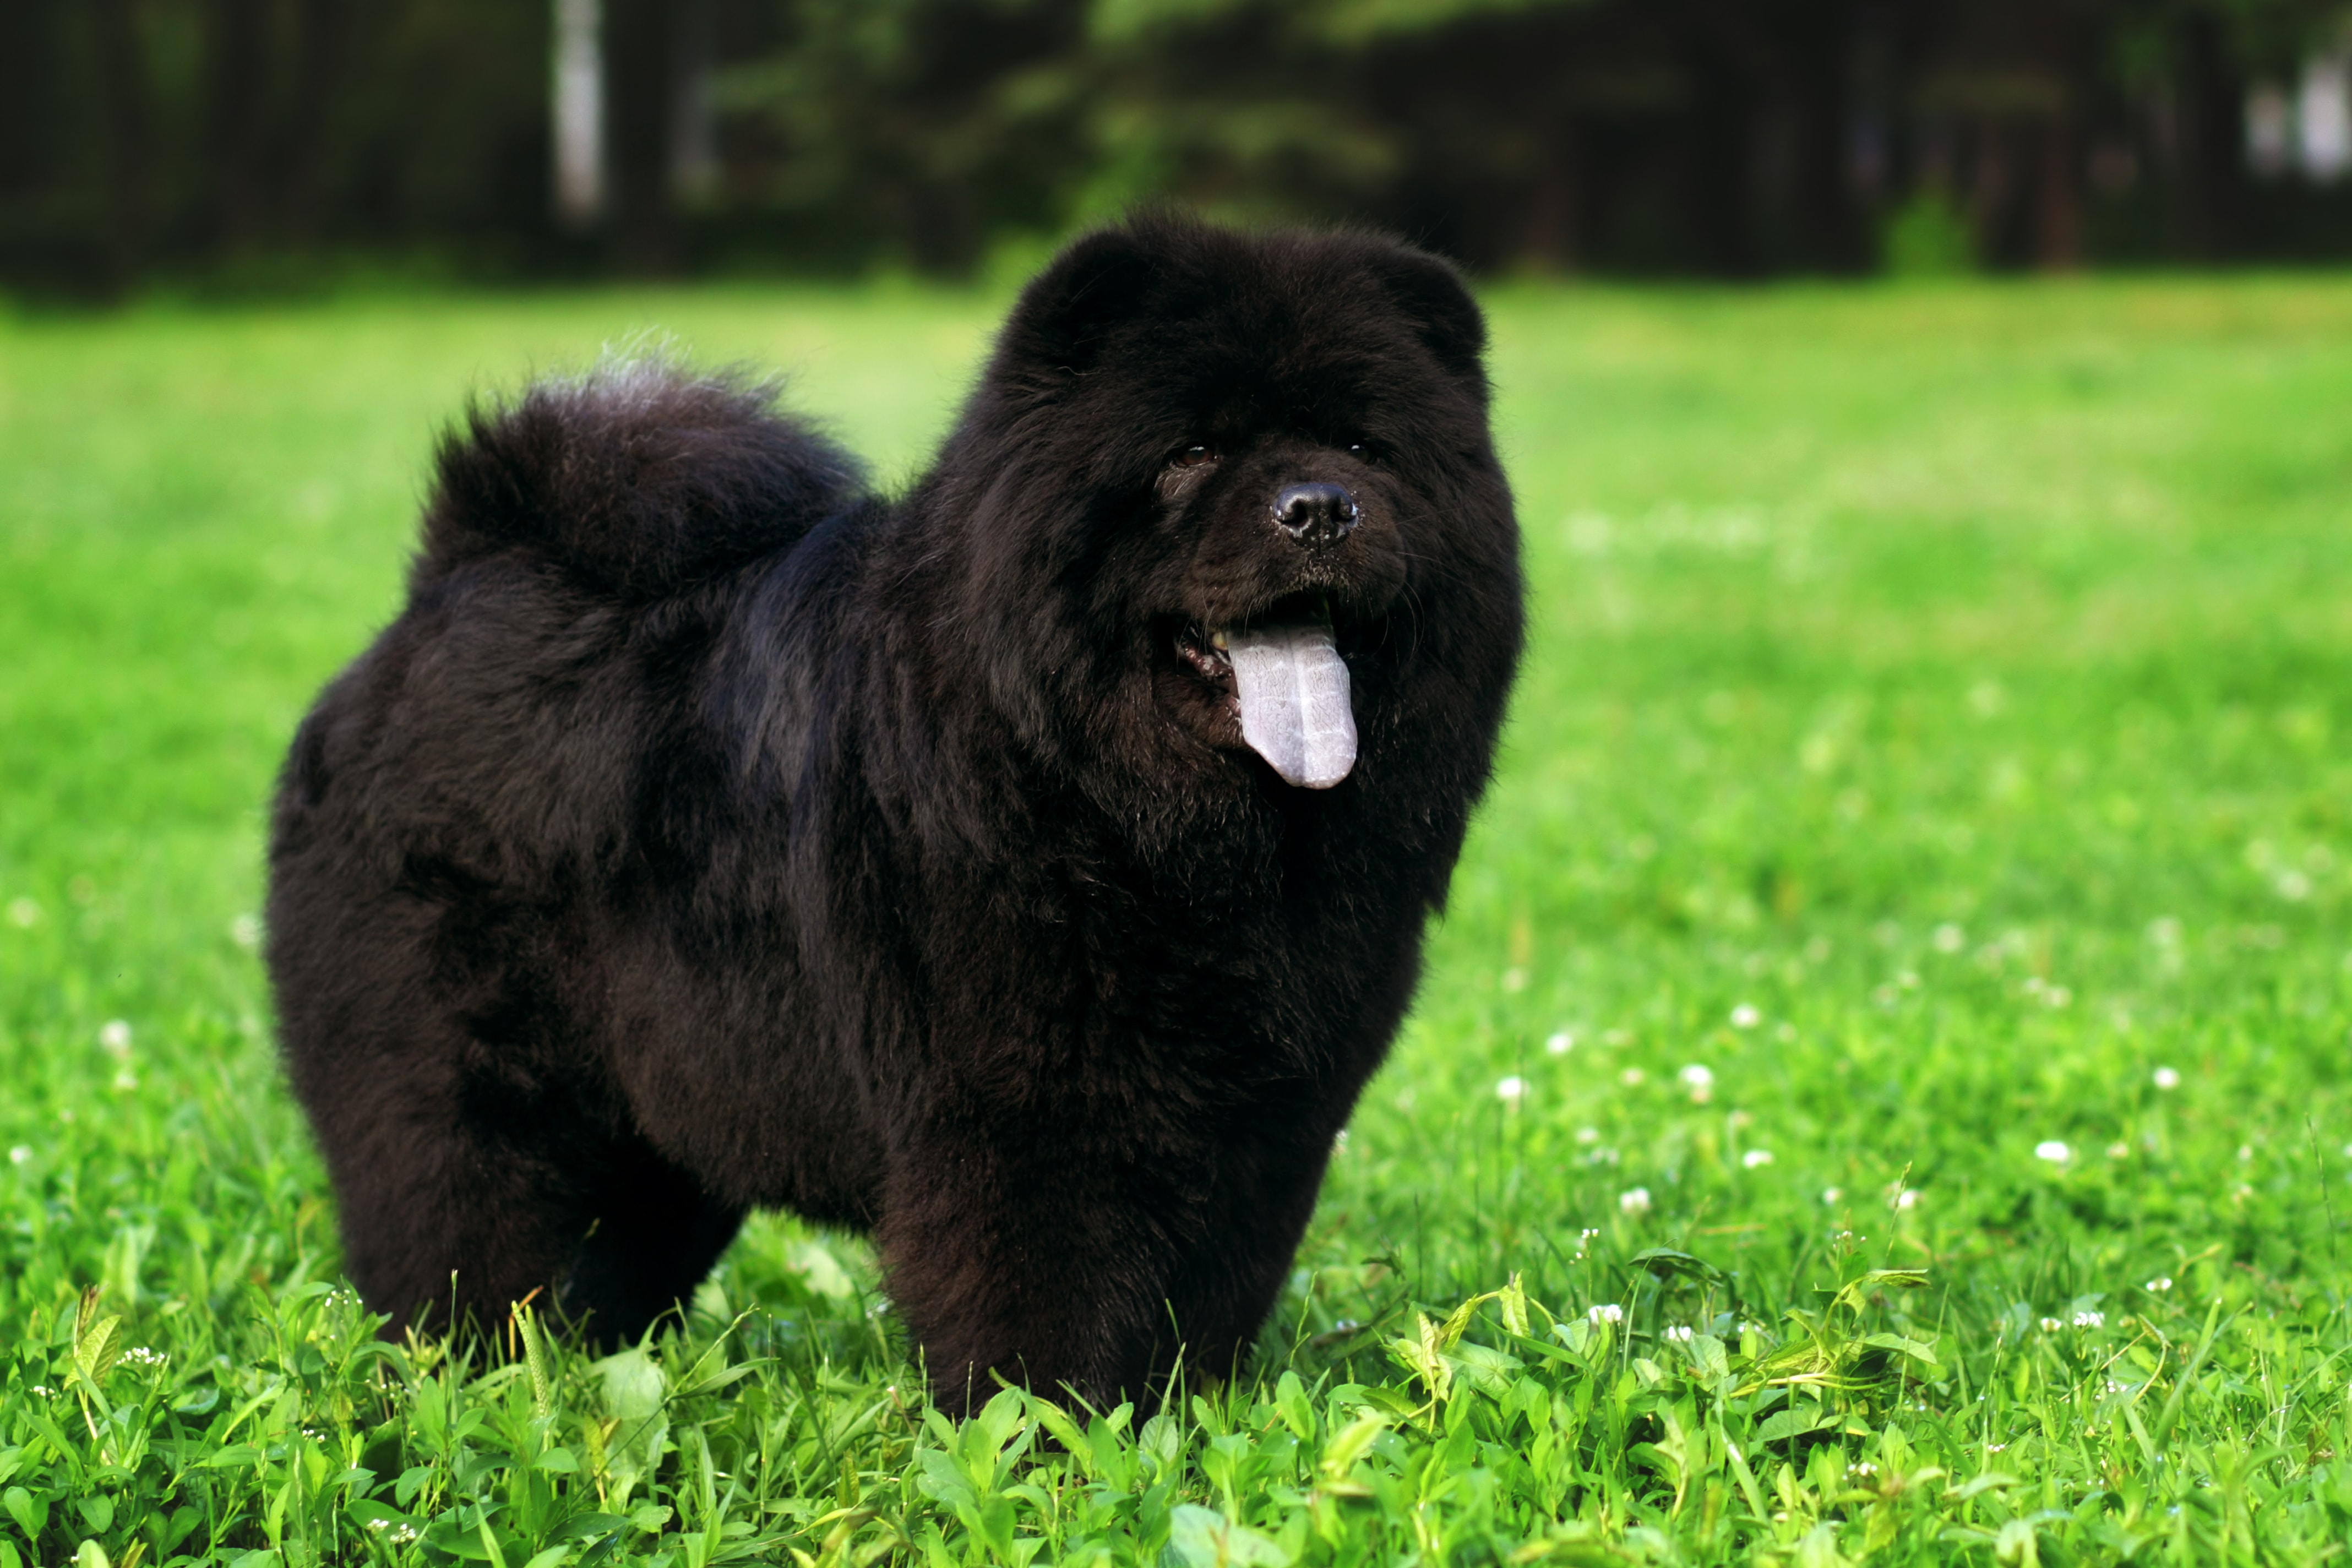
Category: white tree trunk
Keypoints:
(579, 112)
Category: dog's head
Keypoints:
(1216, 482)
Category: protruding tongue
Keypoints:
(1294, 694)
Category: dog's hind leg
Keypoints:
(450, 1232)
(464, 1186)
(654, 1236)
(451, 1213)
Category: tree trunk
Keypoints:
(693, 120)
(125, 119)
(1548, 240)
(577, 114)
(1829, 228)
(2060, 241)
(639, 36)
(1717, 140)
(2205, 181)
(27, 44)
(236, 76)
(310, 142)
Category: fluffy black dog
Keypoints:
(1031, 870)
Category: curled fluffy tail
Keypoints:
(638, 477)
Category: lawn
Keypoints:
(1882, 1089)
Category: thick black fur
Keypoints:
(710, 832)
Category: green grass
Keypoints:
(1938, 728)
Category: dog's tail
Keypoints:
(639, 477)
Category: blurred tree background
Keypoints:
(264, 142)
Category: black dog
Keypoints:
(1032, 870)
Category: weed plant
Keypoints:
(1879, 1092)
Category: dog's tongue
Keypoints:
(1292, 686)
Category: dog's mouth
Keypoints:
(1286, 682)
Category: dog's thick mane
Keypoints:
(639, 477)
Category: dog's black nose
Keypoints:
(1316, 514)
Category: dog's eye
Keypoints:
(1193, 457)
(1358, 449)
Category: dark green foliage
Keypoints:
(258, 143)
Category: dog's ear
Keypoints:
(1070, 309)
(1433, 297)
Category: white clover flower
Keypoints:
(2160, 1284)
(1679, 1333)
(24, 913)
(1634, 1201)
(1698, 1081)
(2051, 1325)
(1949, 938)
(1561, 1044)
(114, 1038)
(1906, 1198)
(2167, 1078)
(1606, 1312)
(19, 1153)
(140, 1355)
(246, 930)
(1831, 1194)
(1587, 1134)
(2118, 1150)
(1756, 1157)
(2090, 1319)
(1746, 1016)
(1631, 1077)
(2053, 1150)
(1511, 1090)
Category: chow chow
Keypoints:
(1029, 869)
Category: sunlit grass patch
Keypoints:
(1879, 1084)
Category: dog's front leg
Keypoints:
(1050, 1252)
(1033, 1253)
